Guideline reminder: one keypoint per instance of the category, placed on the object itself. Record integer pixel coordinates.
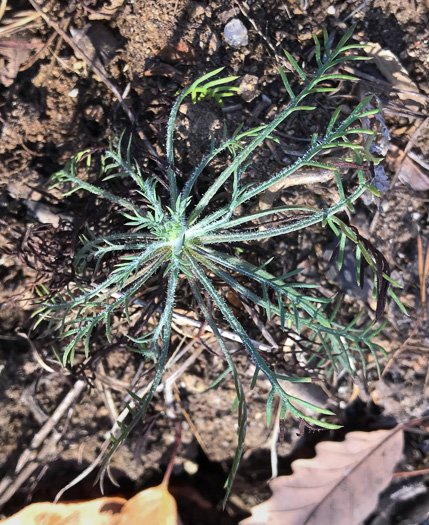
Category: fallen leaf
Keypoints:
(392, 69)
(11, 59)
(413, 177)
(339, 486)
(97, 42)
(102, 511)
(154, 506)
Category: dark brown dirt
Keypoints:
(57, 107)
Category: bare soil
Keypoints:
(56, 107)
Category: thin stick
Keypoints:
(3, 8)
(177, 444)
(423, 273)
(193, 428)
(273, 444)
(402, 347)
(52, 422)
(361, 6)
(56, 52)
(38, 54)
(10, 28)
(107, 395)
(85, 57)
(116, 429)
(9, 487)
(421, 264)
(27, 463)
(411, 474)
(269, 44)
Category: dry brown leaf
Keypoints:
(392, 69)
(97, 42)
(11, 59)
(151, 507)
(339, 486)
(413, 176)
(102, 511)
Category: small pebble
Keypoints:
(190, 467)
(73, 93)
(331, 10)
(343, 390)
(280, 35)
(235, 33)
(248, 87)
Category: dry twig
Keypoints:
(3, 5)
(193, 428)
(19, 21)
(30, 459)
(116, 429)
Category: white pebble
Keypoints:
(331, 10)
(190, 467)
(73, 93)
(235, 33)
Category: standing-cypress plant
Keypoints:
(184, 238)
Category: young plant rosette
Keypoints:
(185, 238)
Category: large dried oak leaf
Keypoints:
(339, 486)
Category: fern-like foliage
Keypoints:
(184, 238)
